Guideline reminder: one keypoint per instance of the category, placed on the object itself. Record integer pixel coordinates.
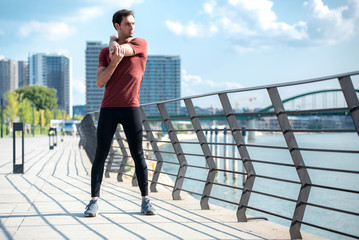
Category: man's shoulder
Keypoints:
(104, 52)
(106, 49)
(138, 41)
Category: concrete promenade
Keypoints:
(48, 200)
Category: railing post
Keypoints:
(121, 171)
(89, 132)
(351, 98)
(109, 163)
(297, 160)
(206, 151)
(178, 150)
(111, 156)
(243, 152)
(156, 151)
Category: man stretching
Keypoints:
(121, 68)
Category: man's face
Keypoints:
(127, 26)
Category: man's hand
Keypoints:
(117, 54)
(113, 42)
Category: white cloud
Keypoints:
(249, 18)
(78, 87)
(240, 19)
(254, 24)
(61, 29)
(175, 27)
(332, 25)
(65, 52)
(209, 6)
(194, 85)
(191, 29)
(241, 49)
(85, 14)
(47, 30)
(119, 3)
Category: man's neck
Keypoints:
(122, 40)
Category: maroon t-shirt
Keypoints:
(123, 88)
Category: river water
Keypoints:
(335, 199)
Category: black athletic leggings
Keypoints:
(130, 119)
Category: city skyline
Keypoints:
(222, 44)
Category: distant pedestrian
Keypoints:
(121, 68)
(27, 128)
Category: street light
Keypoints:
(2, 118)
(33, 120)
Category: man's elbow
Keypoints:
(98, 83)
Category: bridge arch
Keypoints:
(304, 95)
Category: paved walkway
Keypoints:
(48, 200)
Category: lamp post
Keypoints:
(2, 118)
(33, 120)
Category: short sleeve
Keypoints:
(139, 45)
(102, 58)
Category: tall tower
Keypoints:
(23, 73)
(9, 79)
(161, 81)
(94, 94)
(53, 71)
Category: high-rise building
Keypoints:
(161, 81)
(94, 94)
(8, 76)
(53, 71)
(23, 73)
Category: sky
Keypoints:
(223, 44)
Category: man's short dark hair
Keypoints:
(117, 16)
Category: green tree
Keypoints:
(25, 111)
(42, 117)
(12, 106)
(48, 116)
(37, 117)
(41, 96)
(77, 117)
(59, 114)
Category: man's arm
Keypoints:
(114, 45)
(104, 73)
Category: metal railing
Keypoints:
(204, 166)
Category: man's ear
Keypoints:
(117, 26)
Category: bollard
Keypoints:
(18, 168)
(51, 134)
(55, 137)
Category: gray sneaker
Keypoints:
(146, 207)
(91, 209)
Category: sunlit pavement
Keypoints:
(48, 201)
